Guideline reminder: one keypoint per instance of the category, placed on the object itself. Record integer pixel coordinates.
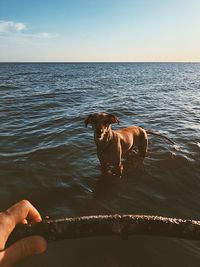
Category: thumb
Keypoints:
(23, 248)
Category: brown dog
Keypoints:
(113, 146)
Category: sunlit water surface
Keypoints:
(49, 157)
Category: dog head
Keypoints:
(101, 123)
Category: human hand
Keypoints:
(22, 212)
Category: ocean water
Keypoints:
(49, 157)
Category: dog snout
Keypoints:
(99, 132)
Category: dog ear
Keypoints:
(88, 120)
(113, 119)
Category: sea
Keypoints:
(48, 156)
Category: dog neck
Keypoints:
(103, 144)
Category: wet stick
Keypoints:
(109, 225)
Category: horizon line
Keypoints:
(87, 62)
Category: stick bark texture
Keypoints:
(109, 225)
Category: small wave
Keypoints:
(34, 152)
(177, 147)
(27, 73)
(4, 78)
(8, 86)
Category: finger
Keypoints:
(16, 214)
(24, 221)
(23, 248)
(22, 210)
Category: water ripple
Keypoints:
(44, 142)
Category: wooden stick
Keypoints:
(109, 225)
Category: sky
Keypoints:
(100, 30)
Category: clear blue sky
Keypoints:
(99, 30)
